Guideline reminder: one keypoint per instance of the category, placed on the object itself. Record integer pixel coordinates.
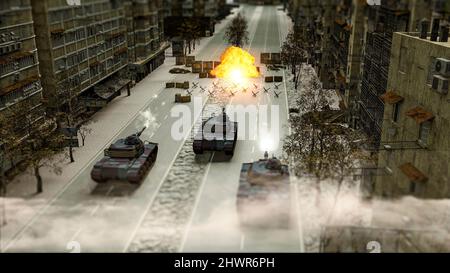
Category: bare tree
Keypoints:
(294, 54)
(33, 139)
(84, 130)
(236, 32)
(65, 114)
(8, 148)
(190, 32)
(310, 139)
(319, 145)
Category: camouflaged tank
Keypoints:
(263, 198)
(216, 134)
(127, 159)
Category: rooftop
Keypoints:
(415, 35)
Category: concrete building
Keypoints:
(382, 22)
(83, 52)
(415, 136)
(19, 66)
(146, 47)
(201, 13)
(335, 29)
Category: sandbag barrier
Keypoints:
(273, 79)
(271, 58)
(181, 85)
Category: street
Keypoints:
(114, 217)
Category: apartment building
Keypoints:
(199, 12)
(83, 53)
(335, 32)
(382, 22)
(19, 66)
(146, 48)
(415, 135)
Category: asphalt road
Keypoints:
(104, 218)
(214, 226)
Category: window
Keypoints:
(412, 187)
(424, 132)
(396, 111)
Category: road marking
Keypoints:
(241, 246)
(133, 234)
(197, 201)
(295, 186)
(203, 183)
(165, 117)
(110, 190)
(95, 209)
(76, 234)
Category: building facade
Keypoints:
(19, 63)
(335, 31)
(382, 22)
(145, 34)
(203, 14)
(415, 134)
(83, 52)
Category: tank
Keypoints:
(263, 199)
(127, 159)
(217, 133)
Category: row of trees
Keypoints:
(191, 32)
(31, 142)
(294, 55)
(319, 145)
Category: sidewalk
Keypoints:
(22, 203)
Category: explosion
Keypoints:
(236, 65)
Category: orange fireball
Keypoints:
(236, 65)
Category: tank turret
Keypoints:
(126, 159)
(130, 147)
(218, 133)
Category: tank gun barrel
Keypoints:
(141, 131)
